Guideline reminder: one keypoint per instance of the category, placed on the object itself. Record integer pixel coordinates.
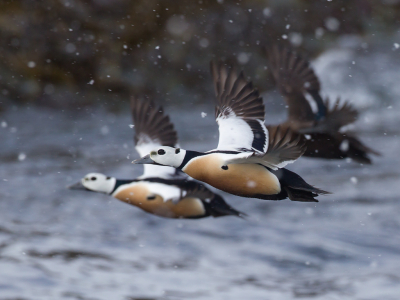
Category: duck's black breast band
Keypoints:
(176, 182)
(225, 152)
(120, 182)
(188, 156)
(192, 154)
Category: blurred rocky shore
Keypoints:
(75, 53)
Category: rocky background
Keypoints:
(75, 53)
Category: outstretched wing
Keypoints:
(295, 79)
(239, 111)
(152, 129)
(196, 190)
(340, 114)
(285, 146)
(214, 204)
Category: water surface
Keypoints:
(62, 244)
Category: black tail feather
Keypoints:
(217, 207)
(295, 188)
(358, 151)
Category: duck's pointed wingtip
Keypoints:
(241, 215)
(323, 192)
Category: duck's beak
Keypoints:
(77, 186)
(145, 160)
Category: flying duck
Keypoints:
(249, 159)
(162, 191)
(320, 128)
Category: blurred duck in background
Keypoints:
(322, 127)
(162, 191)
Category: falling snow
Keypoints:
(354, 180)
(21, 156)
(104, 130)
(53, 132)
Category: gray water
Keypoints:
(62, 244)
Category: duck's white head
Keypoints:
(96, 182)
(163, 155)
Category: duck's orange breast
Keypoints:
(245, 180)
(139, 195)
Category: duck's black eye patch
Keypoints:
(177, 150)
(151, 197)
(224, 167)
(161, 152)
(108, 178)
(93, 178)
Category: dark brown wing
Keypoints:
(214, 204)
(285, 146)
(151, 125)
(235, 94)
(295, 77)
(340, 114)
(196, 190)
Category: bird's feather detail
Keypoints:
(239, 111)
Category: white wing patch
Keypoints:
(241, 158)
(266, 160)
(234, 133)
(269, 160)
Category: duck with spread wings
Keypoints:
(320, 128)
(248, 160)
(162, 191)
